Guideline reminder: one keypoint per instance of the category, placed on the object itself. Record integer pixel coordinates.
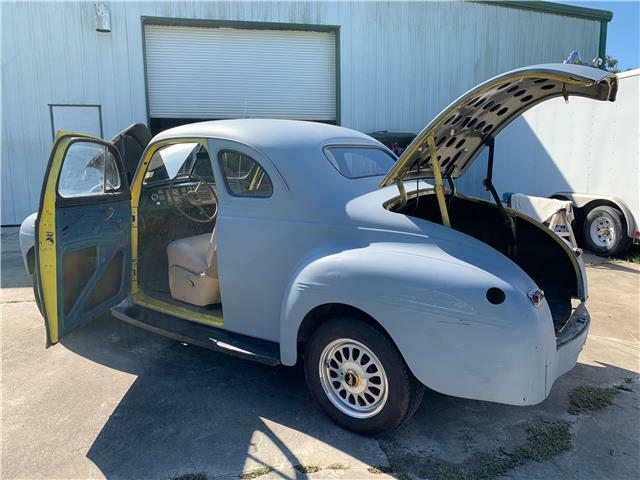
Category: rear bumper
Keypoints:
(569, 343)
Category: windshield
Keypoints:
(360, 162)
(169, 161)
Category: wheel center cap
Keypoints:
(351, 379)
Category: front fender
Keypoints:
(28, 240)
(434, 307)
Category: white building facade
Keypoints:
(369, 66)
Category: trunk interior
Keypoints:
(536, 251)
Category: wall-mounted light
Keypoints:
(103, 18)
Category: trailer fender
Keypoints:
(587, 201)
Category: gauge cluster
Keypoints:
(162, 196)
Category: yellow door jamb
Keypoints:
(137, 295)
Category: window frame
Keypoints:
(353, 145)
(224, 175)
(122, 193)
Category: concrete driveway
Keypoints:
(113, 401)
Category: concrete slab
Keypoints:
(113, 401)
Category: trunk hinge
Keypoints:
(488, 185)
(438, 185)
(452, 187)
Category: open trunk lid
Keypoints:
(461, 130)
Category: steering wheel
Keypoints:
(192, 198)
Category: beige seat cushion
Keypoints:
(193, 272)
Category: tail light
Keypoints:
(536, 296)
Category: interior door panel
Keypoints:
(93, 257)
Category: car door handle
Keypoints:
(108, 213)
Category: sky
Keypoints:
(623, 34)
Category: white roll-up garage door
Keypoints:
(195, 72)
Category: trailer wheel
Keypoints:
(605, 232)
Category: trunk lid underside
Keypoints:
(462, 129)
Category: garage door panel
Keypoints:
(196, 72)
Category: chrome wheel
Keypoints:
(602, 231)
(353, 378)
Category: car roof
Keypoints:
(294, 148)
(266, 133)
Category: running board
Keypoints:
(249, 348)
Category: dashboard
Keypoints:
(161, 196)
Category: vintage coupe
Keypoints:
(280, 240)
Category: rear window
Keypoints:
(359, 162)
(244, 176)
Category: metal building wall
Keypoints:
(400, 64)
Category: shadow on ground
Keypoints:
(177, 409)
(208, 412)
(13, 274)
(202, 410)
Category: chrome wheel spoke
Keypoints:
(353, 378)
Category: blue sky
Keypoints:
(623, 35)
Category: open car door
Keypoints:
(131, 143)
(83, 231)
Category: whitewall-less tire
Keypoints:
(605, 233)
(358, 377)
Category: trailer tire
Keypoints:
(605, 233)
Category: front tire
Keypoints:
(359, 378)
(605, 233)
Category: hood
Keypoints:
(462, 129)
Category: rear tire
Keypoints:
(605, 232)
(358, 377)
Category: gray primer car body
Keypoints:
(324, 239)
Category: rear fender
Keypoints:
(436, 311)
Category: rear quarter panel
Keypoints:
(434, 307)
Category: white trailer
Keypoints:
(587, 153)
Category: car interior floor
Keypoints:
(157, 230)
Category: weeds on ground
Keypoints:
(307, 468)
(258, 472)
(391, 469)
(587, 399)
(338, 466)
(633, 254)
(544, 441)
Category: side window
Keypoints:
(89, 169)
(243, 175)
